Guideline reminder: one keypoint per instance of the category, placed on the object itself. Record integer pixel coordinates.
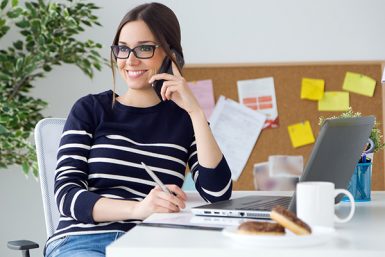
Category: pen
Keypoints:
(156, 179)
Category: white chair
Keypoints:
(47, 138)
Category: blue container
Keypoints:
(360, 183)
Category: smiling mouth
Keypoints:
(135, 73)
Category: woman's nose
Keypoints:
(132, 60)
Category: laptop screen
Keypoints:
(337, 151)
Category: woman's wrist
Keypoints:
(197, 114)
(132, 210)
(107, 209)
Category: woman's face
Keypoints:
(137, 72)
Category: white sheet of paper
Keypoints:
(236, 129)
(259, 95)
(383, 76)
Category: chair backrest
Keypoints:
(47, 138)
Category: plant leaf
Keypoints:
(3, 129)
(14, 13)
(35, 26)
(22, 24)
(25, 167)
(15, 2)
(47, 68)
(4, 4)
(19, 64)
(18, 45)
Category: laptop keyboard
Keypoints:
(266, 205)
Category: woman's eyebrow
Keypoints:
(139, 42)
(147, 41)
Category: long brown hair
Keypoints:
(162, 22)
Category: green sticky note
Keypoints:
(334, 101)
(359, 84)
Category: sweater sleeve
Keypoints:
(212, 184)
(71, 186)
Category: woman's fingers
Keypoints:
(164, 88)
(169, 90)
(175, 88)
(173, 199)
(170, 87)
(164, 76)
(166, 204)
(169, 201)
(160, 209)
(178, 191)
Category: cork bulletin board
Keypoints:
(291, 109)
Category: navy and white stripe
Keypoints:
(100, 154)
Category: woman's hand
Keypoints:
(159, 201)
(175, 88)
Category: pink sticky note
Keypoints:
(204, 93)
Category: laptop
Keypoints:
(334, 156)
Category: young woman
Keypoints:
(101, 188)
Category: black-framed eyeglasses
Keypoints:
(140, 52)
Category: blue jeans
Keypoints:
(81, 245)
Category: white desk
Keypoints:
(364, 235)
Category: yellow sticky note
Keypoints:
(334, 101)
(312, 89)
(359, 84)
(301, 134)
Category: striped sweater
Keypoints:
(100, 154)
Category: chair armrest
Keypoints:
(22, 245)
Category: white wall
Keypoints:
(213, 31)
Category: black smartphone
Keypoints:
(166, 67)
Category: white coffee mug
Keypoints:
(315, 203)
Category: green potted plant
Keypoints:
(48, 33)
